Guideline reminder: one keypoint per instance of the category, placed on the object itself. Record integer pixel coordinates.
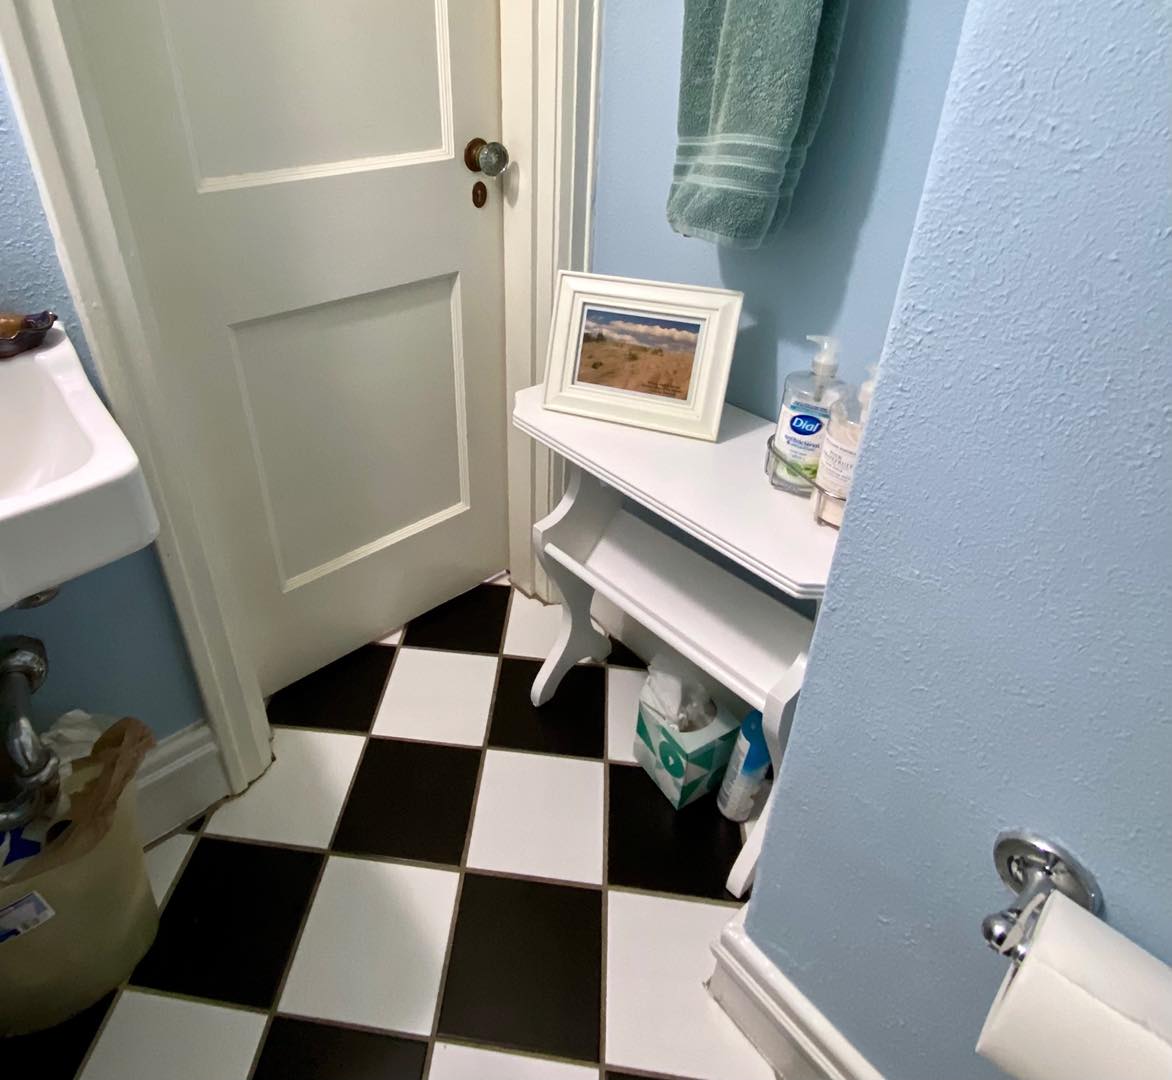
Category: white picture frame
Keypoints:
(649, 354)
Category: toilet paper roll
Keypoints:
(1085, 1004)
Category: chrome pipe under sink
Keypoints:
(29, 770)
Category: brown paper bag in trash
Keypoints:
(91, 881)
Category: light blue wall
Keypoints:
(994, 646)
(835, 266)
(113, 639)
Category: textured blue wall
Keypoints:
(994, 646)
(113, 639)
(835, 266)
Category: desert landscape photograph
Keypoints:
(648, 354)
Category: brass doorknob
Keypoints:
(490, 158)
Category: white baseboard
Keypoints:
(181, 777)
(797, 1040)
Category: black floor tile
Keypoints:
(621, 656)
(410, 801)
(230, 923)
(525, 968)
(303, 1050)
(472, 622)
(56, 1053)
(196, 825)
(342, 696)
(572, 723)
(653, 846)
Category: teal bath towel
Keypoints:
(754, 79)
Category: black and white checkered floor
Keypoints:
(433, 880)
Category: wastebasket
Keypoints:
(76, 919)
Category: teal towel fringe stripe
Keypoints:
(754, 78)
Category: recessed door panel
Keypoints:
(357, 421)
(273, 88)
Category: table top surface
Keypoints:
(714, 491)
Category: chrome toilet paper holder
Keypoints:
(1034, 867)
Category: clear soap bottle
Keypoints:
(840, 452)
(801, 425)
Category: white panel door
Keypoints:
(326, 299)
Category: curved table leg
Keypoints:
(575, 525)
(776, 725)
(577, 639)
(741, 875)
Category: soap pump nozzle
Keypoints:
(867, 391)
(825, 362)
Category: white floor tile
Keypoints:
(532, 628)
(659, 1017)
(622, 707)
(393, 638)
(163, 862)
(299, 799)
(438, 696)
(541, 815)
(452, 1062)
(373, 947)
(161, 1038)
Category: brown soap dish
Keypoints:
(19, 333)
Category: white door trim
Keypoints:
(547, 123)
(48, 109)
(549, 79)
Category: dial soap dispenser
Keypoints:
(801, 426)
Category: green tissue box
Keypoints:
(685, 764)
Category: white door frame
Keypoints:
(549, 82)
(549, 56)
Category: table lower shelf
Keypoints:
(742, 637)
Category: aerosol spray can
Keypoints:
(746, 770)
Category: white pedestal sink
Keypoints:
(72, 494)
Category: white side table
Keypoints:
(715, 492)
